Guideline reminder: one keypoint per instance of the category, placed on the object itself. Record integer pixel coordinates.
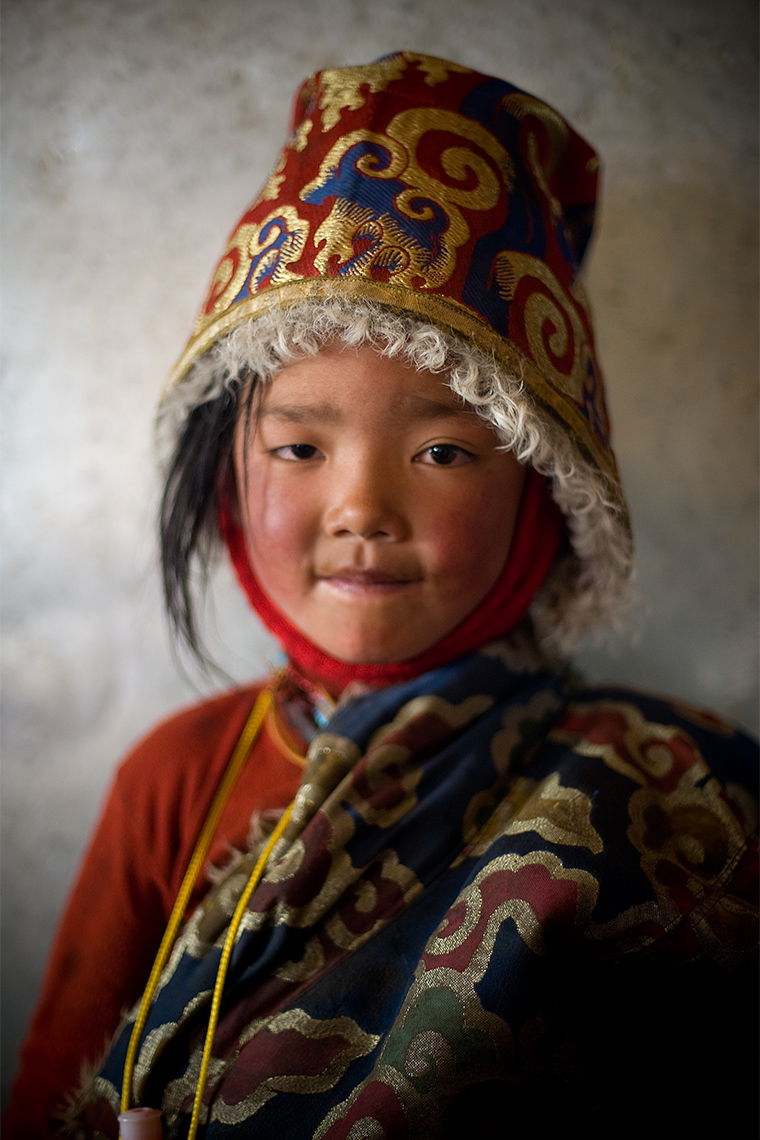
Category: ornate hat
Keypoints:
(441, 193)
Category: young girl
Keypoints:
(422, 882)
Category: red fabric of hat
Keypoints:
(539, 530)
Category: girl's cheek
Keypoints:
(280, 522)
(470, 538)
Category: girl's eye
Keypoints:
(445, 455)
(296, 451)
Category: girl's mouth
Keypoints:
(354, 580)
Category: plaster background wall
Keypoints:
(134, 133)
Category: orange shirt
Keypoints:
(128, 881)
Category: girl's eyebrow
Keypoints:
(420, 407)
(301, 413)
(424, 408)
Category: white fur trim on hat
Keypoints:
(588, 591)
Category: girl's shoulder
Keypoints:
(193, 736)
(658, 757)
(179, 763)
(654, 732)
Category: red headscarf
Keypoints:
(539, 530)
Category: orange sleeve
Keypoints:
(128, 880)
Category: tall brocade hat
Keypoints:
(440, 214)
(441, 193)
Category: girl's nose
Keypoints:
(366, 503)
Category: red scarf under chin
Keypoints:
(539, 530)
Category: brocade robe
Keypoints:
(503, 901)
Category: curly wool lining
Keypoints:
(588, 591)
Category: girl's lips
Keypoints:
(366, 581)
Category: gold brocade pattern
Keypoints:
(559, 815)
(301, 135)
(311, 963)
(268, 246)
(436, 70)
(520, 104)
(391, 246)
(387, 978)
(455, 715)
(364, 901)
(341, 88)
(489, 810)
(297, 142)
(555, 332)
(156, 1039)
(693, 830)
(641, 749)
(528, 923)
(442, 1014)
(686, 830)
(271, 189)
(356, 1043)
(329, 756)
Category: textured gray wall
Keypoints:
(135, 131)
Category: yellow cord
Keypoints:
(224, 962)
(235, 766)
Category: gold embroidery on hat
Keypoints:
(520, 105)
(364, 241)
(436, 70)
(274, 181)
(341, 88)
(297, 142)
(284, 243)
(552, 326)
(505, 277)
(300, 135)
(368, 164)
(410, 126)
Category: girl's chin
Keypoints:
(377, 633)
(374, 650)
(359, 657)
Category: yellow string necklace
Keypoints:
(237, 760)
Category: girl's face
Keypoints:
(377, 510)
